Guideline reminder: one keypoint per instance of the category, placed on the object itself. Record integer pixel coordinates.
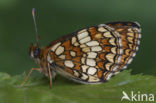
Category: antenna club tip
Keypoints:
(33, 11)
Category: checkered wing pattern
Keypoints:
(130, 34)
(94, 54)
(87, 56)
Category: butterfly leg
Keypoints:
(50, 76)
(37, 69)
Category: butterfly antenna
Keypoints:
(36, 30)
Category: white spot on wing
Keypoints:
(76, 44)
(102, 29)
(137, 48)
(83, 60)
(90, 62)
(83, 46)
(62, 56)
(112, 41)
(87, 49)
(84, 76)
(125, 67)
(116, 67)
(59, 50)
(93, 79)
(91, 70)
(138, 42)
(49, 59)
(73, 40)
(113, 50)
(72, 53)
(92, 43)
(69, 63)
(130, 30)
(130, 60)
(110, 57)
(82, 35)
(107, 34)
(130, 39)
(85, 40)
(84, 68)
(139, 36)
(76, 73)
(55, 46)
(96, 48)
(130, 34)
(91, 55)
(108, 65)
(134, 54)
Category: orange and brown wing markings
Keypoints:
(93, 31)
(78, 51)
(123, 24)
(101, 65)
(67, 54)
(63, 38)
(77, 59)
(129, 41)
(69, 70)
(67, 45)
(53, 56)
(125, 44)
(106, 45)
(102, 56)
(104, 40)
(107, 48)
(100, 73)
(128, 51)
(77, 66)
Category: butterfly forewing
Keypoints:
(87, 56)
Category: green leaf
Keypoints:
(37, 89)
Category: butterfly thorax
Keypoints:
(37, 54)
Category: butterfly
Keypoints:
(89, 56)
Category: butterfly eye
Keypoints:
(36, 52)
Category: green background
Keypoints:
(56, 18)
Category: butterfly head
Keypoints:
(34, 51)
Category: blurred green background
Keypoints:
(56, 18)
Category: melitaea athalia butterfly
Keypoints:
(91, 55)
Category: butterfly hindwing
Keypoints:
(87, 56)
(130, 33)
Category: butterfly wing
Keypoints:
(130, 33)
(87, 56)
